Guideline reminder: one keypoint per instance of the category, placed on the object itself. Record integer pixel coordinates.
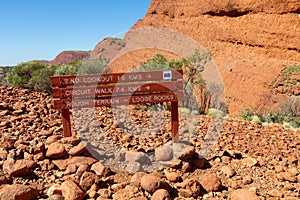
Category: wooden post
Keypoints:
(65, 113)
(175, 122)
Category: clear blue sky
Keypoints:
(40, 29)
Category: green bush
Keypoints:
(289, 117)
(256, 119)
(247, 114)
(69, 69)
(41, 81)
(93, 66)
(21, 74)
(82, 67)
(215, 113)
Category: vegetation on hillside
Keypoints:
(288, 81)
(288, 114)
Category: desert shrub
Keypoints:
(93, 66)
(247, 114)
(184, 110)
(82, 67)
(256, 119)
(273, 117)
(68, 69)
(22, 73)
(277, 117)
(215, 113)
(41, 81)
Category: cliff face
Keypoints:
(251, 41)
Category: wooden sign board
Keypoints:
(116, 89)
(95, 79)
(95, 90)
(117, 100)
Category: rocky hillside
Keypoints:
(108, 48)
(251, 41)
(66, 57)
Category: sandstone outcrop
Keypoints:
(251, 41)
(107, 48)
(66, 57)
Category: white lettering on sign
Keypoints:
(122, 89)
(164, 98)
(103, 90)
(75, 80)
(77, 92)
(121, 78)
(142, 99)
(99, 79)
(100, 102)
(119, 89)
(133, 77)
(167, 75)
(134, 88)
(77, 104)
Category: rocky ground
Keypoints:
(249, 161)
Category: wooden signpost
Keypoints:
(95, 90)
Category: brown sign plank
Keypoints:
(118, 100)
(98, 91)
(94, 79)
